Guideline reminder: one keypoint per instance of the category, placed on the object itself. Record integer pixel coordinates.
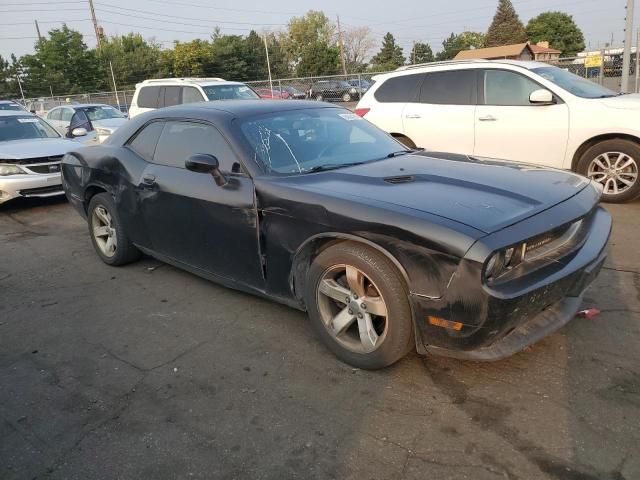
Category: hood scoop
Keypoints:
(399, 179)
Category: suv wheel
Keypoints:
(613, 164)
(346, 97)
(319, 98)
(358, 305)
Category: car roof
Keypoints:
(15, 113)
(528, 64)
(83, 105)
(249, 108)
(203, 82)
(9, 101)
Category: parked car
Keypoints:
(165, 92)
(30, 155)
(527, 112)
(271, 94)
(386, 248)
(98, 121)
(333, 91)
(293, 92)
(360, 84)
(41, 107)
(11, 105)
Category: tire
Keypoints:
(382, 290)
(319, 98)
(346, 97)
(600, 161)
(100, 214)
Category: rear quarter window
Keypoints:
(144, 142)
(399, 89)
(455, 87)
(148, 97)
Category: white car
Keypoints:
(528, 112)
(96, 121)
(30, 154)
(166, 92)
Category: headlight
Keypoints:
(502, 261)
(6, 170)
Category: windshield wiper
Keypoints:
(331, 166)
(404, 152)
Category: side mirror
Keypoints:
(79, 132)
(32, 111)
(205, 163)
(541, 97)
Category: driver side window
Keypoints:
(505, 88)
(181, 139)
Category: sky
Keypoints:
(408, 20)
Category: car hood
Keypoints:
(111, 123)
(38, 147)
(629, 101)
(487, 195)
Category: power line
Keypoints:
(244, 10)
(46, 21)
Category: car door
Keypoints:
(509, 126)
(191, 219)
(441, 117)
(53, 119)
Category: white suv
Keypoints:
(166, 92)
(528, 112)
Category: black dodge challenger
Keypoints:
(387, 249)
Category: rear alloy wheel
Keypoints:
(107, 233)
(614, 165)
(346, 97)
(358, 305)
(319, 98)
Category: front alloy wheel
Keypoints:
(617, 172)
(352, 309)
(358, 305)
(103, 231)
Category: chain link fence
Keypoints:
(603, 68)
(42, 104)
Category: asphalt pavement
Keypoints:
(148, 372)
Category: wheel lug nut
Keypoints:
(360, 315)
(348, 299)
(363, 306)
(355, 296)
(350, 312)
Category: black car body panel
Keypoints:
(438, 220)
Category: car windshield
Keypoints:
(11, 106)
(229, 92)
(578, 86)
(102, 112)
(25, 128)
(303, 141)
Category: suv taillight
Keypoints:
(361, 111)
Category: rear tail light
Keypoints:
(361, 111)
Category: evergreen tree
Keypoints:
(462, 41)
(506, 28)
(390, 55)
(421, 53)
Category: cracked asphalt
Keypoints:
(148, 372)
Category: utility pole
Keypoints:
(115, 89)
(21, 91)
(344, 62)
(413, 53)
(95, 25)
(628, 40)
(266, 49)
(38, 30)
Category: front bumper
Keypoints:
(500, 322)
(30, 185)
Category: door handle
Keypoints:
(148, 181)
(488, 118)
(412, 115)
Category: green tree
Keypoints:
(193, 59)
(559, 29)
(314, 28)
(7, 82)
(64, 63)
(390, 55)
(421, 53)
(506, 27)
(318, 58)
(462, 41)
(133, 59)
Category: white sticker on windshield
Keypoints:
(350, 116)
(28, 120)
(243, 89)
(107, 108)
